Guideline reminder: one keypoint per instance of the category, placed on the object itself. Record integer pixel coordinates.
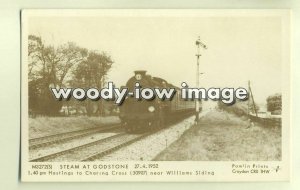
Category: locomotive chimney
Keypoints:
(140, 72)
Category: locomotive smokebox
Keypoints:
(139, 74)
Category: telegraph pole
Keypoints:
(199, 44)
(250, 91)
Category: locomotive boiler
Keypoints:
(153, 114)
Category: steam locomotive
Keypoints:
(148, 115)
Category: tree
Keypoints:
(274, 103)
(90, 73)
(49, 67)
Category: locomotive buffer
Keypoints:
(197, 105)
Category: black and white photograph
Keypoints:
(155, 95)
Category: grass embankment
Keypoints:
(43, 126)
(222, 136)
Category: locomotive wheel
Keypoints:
(159, 123)
(163, 120)
(156, 125)
(127, 129)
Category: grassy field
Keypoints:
(221, 136)
(43, 126)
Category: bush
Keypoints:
(274, 103)
(239, 108)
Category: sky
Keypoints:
(239, 48)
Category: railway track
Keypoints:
(63, 137)
(108, 151)
(66, 153)
(95, 149)
(91, 149)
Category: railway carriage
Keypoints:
(148, 115)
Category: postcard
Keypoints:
(155, 95)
